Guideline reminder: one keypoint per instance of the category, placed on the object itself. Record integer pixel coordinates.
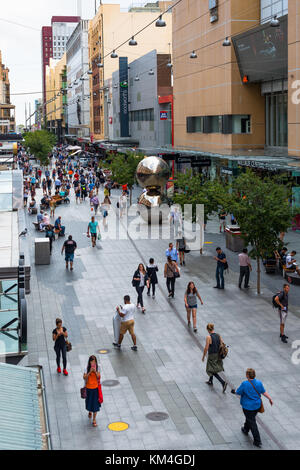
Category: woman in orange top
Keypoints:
(92, 378)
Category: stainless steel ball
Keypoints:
(152, 172)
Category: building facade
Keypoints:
(7, 110)
(241, 93)
(148, 110)
(53, 42)
(56, 97)
(111, 27)
(78, 95)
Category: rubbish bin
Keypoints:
(234, 242)
(42, 251)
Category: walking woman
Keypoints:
(190, 300)
(250, 392)
(59, 335)
(52, 205)
(152, 269)
(171, 271)
(92, 383)
(181, 247)
(105, 206)
(139, 281)
(214, 362)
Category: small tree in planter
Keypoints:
(262, 209)
(40, 144)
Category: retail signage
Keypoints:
(197, 163)
(124, 114)
(163, 115)
(4, 122)
(184, 160)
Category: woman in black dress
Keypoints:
(152, 269)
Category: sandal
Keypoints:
(95, 424)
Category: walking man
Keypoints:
(221, 264)
(93, 228)
(172, 252)
(127, 322)
(245, 268)
(282, 300)
(69, 247)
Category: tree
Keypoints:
(196, 190)
(123, 169)
(263, 211)
(40, 144)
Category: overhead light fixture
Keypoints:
(169, 65)
(137, 79)
(90, 72)
(151, 72)
(75, 83)
(113, 55)
(193, 55)
(115, 86)
(275, 22)
(70, 86)
(100, 65)
(132, 42)
(226, 43)
(160, 23)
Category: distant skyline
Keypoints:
(20, 43)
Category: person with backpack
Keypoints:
(69, 247)
(250, 392)
(152, 269)
(281, 302)
(214, 365)
(221, 266)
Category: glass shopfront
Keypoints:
(277, 119)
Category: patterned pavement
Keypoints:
(166, 374)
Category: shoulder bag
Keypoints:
(100, 392)
(223, 349)
(83, 391)
(68, 346)
(261, 409)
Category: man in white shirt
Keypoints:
(291, 262)
(245, 268)
(127, 322)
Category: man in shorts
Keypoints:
(127, 322)
(69, 247)
(282, 301)
(93, 228)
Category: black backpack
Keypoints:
(274, 303)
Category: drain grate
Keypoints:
(110, 383)
(157, 416)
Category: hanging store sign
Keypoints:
(124, 114)
(163, 115)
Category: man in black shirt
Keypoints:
(282, 300)
(69, 246)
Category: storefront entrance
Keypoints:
(276, 120)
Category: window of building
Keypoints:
(241, 124)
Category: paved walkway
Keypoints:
(166, 374)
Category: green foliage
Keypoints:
(263, 211)
(40, 144)
(195, 190)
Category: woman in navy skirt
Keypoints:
(92, 380)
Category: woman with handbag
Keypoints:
(59, 335)
(171, 272)
(93, 392)
(250, 392)
(214, 363)
(139, 281)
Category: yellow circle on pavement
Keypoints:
(103, 351)
(118, 426)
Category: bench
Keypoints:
(270, 266)
(291, 276)
(36, 226)
(33, 211)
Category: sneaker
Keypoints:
(224, 387)
(209, 383)
(244, 431)
(143, 310)
(216, 287)
(153, 296)
(257, 444)
(170, 294)
(59, 370)
(283, 339)
(195, 330)
(65, 372)
(117, 345)
(134, 348)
